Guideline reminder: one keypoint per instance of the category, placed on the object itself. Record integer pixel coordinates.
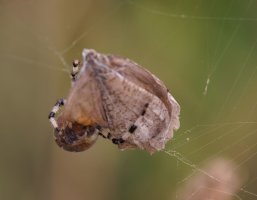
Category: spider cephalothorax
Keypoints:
(76, 137)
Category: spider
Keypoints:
(73, 136)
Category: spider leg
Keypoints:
(54, 110)
(117, 141)
(110, 137)
(104, 132)
(75, 70)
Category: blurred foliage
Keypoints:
(182, 42)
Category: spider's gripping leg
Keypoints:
(53, 112)
(110, 137)
(75, 70)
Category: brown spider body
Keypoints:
(74, 136)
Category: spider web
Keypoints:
(203, 50)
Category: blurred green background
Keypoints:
(185, 43)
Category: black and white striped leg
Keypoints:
(117, 141)
(110, 137)
(53, 112)
(75, 70)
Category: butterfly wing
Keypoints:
(136, 103)
(84, 104)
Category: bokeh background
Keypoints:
(204, 51)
